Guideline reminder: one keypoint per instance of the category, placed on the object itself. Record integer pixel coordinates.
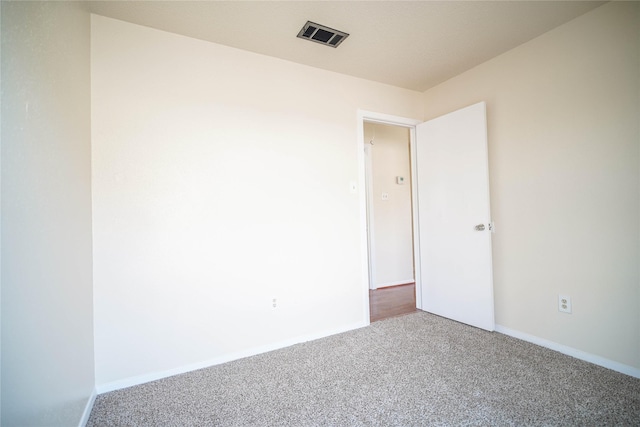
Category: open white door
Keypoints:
(454, 217)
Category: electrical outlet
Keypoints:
(564, 304)
(274, 303)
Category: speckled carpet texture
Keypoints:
(413, 370)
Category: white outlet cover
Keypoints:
(564, 304)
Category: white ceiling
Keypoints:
(409, 44)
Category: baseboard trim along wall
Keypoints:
(141, 379)
(400, 282)
(87, 409)
(569, 351)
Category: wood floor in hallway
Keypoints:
(392, 301)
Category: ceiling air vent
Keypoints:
(321, 34)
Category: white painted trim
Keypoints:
(364, 234)
(371, 247)
(570, 351)
(396, 283)
(388, 119)
(414, 219)
(87, 409)
(141, 379)
(153, 376)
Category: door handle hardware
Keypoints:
(480, 227)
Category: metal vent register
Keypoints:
(321, 34)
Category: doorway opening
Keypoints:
(390, 220)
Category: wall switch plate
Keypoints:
(399, 180)
(564, 304)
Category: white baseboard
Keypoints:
(87, 409)
(141, 379)
(399, 282)
(570, 351)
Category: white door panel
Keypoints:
(453, 197)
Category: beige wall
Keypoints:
(564, 139)
(392, 231)
(221, 180)
(47, 319)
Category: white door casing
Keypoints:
(370, 215)
(373, 117)
(453, 198)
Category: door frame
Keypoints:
(387, 119)
(368, 188)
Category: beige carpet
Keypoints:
(413, 370)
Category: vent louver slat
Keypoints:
(335, 40)
(322, 34)
(309, 31)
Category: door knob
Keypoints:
(480, 227)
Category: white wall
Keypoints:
(564, 138)
(221, 180)
(392, 257)
(47, 333)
